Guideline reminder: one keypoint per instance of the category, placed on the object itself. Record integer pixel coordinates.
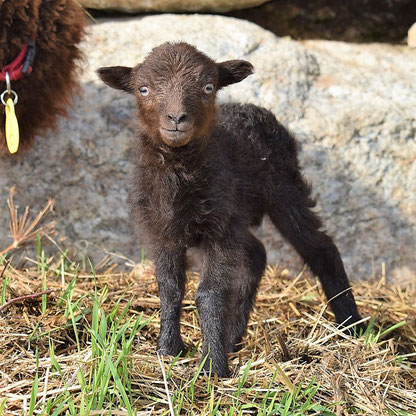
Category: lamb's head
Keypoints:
(175, 88)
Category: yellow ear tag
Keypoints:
(12, 127)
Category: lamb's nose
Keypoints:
(177, 118)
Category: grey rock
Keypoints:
(411, 36)
(133, 6)
(351, 107)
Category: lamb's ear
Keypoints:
(118, 77)
(230, 72)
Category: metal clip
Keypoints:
(8, 91)
(8, 85)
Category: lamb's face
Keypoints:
(175, 88)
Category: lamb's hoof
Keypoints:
(221, 370)
(174, 349)
(355, 331)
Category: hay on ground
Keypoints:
(291, 339)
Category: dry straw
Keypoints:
(290, 337)
(23, 230)
(291, 341)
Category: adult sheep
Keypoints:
(204, 176)
(39, 53)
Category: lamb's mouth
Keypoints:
(175, 137)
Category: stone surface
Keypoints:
(411, 36)
(132, 6)
(351, 106)
(348, 21)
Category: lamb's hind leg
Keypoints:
(290, 211)
(243, 291)
(171, 277)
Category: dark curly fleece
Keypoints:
(204, 176)
(58, 27)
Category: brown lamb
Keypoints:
(56, 27)
(204, 176)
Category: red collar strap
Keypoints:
(22, 65)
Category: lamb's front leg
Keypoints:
(171, 277)
(211, 301)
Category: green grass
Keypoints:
(2, 406)
(106, 384)
(6, 280)
(4, 289)
(104, 331)
(108, 379)
(373, 335)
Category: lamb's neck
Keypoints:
(190, 158)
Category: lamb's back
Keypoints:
(254, 139)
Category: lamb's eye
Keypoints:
(144, 91)
(208, 88)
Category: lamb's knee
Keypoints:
(210, 297)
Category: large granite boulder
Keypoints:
(411, 36)
(133, 6)
(351, 106)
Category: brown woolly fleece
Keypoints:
(58, 27)
(205, 175)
